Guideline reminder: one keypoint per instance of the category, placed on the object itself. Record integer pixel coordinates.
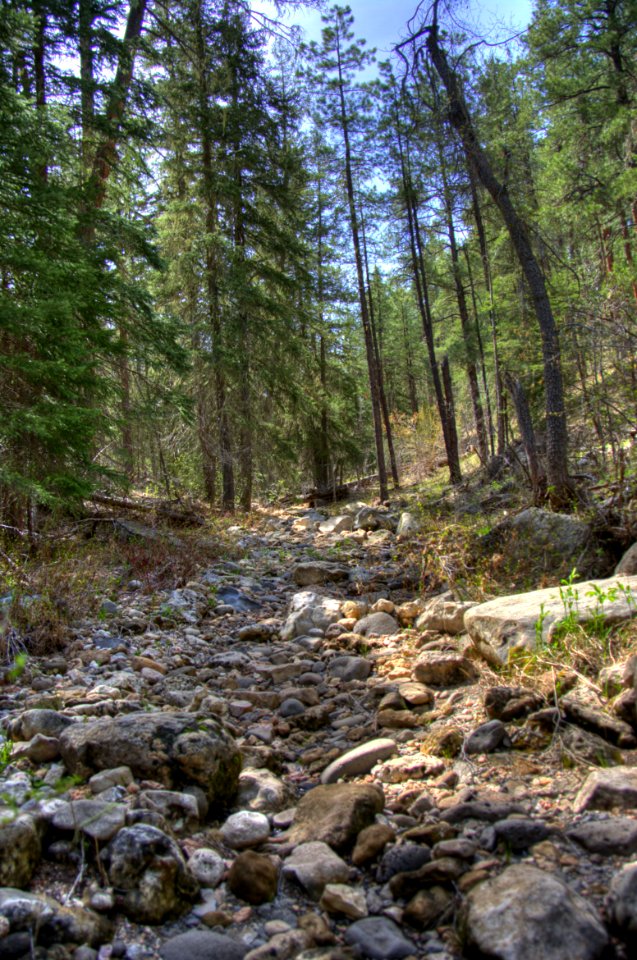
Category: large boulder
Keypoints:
(175, 749)
(560, 541)
(523, 620)
(527, 914)
(309, 611)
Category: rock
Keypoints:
(309, 611)
(408, 526)
(313, 572)
(407, 612)
(400, 769)
(371, 518)
(427, 907)
(253, 877)
(616, 836)
(94, 818)
(527, 914)
(444, 870)
(358, 761)
(371, 842)
(149, 870)
(605, 789)
(519, 833)
(20, 848)
(40, 749)
(562, 540)
(174, 749)
(349, 668)
(260, 790)
(287, 945)
(594, 720)
(588, 748)
(443, 615)
(402, 858)
(416, 694)
(51, 922)
(118, 777)
(48, 723)
(523, 619)
(313, 865)
(203, 945)
(627, 566)
(343, 899)
(621, 904)
(510, 703)
(180, 810)
(336, 813)
(487, 737)
(380, 939)
(247, 828)
(356, 609)
(441, 669)
(336, 525)
(291, 707)
(377, 625)
(207, 867)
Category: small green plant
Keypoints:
(6, 752)
(539, 627)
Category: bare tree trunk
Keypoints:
(362, 295)
(560, 487)
(449, 401)
(525, 423)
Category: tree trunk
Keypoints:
(362, 294)
(560, 488)
(525, 424)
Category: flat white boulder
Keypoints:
(525, 619)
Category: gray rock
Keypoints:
(377, 625)
(291, 707)
(444, 614)
(520, 833)
(487, 737)
(380, 939)
(40, 749)
(359, 760)
(174, 749)
(402, 858)
(27, 725)
(149, 870)
(312, 572)
(260, 790)
(371, 518)
(605, 789)
(613, 837)
(627, 566)
(621, 904)
(408, 526)
(179, 809)
(203, 945)
(54, 923)
(20, 848)
(520, 620)
(207, 867)
(527, 914)
(336, 525)
(106, 779)
(309, 611)
(441, 669)
(350, 668)
(96, 819)
(313, 865)
(247, 828)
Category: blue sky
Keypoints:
(383, 22)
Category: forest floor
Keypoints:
(400, 797)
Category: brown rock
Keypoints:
(336, 813)
(370, 842)
(444, 669)
(427, 907)
(253, 877)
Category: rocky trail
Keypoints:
(300, 755)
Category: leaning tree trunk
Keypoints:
(560, 488)
(525, 424)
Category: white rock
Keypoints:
(245, 829)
